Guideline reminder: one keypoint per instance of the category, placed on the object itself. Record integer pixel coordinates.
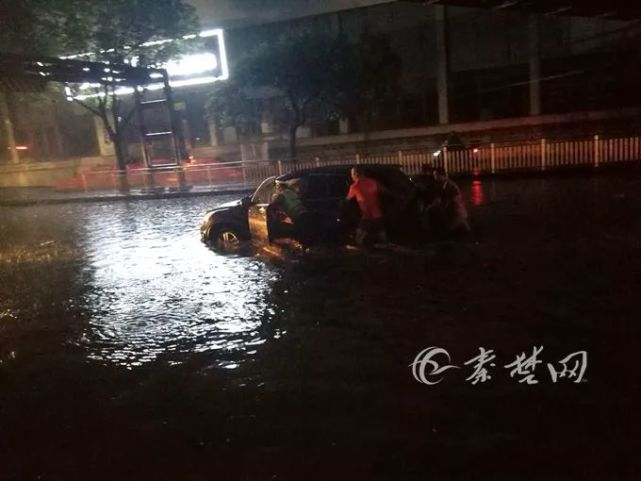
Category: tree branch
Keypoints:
(128, 117)
(96, 112)
(114, 109)
(102, 104)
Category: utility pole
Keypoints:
(442, 63)
(8, 128)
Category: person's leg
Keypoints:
(424, 220)
(304, 230)
(364, 226)
(381, 233)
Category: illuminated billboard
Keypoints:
(203, 67)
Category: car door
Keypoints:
(323, 194)
(257, 213)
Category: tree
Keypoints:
(231, 105)
(338, 77)
(294, 67)
(113, 31)
(364, 77)
(39, 27)
(119, 31)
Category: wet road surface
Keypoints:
(130, 351)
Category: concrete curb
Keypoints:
(117, 197)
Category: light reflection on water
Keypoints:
(158, 292)
(477, 196)
(150, 291)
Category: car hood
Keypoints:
(233, 208)
(228, 205)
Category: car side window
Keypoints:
(315, 187)
(394, 180)
(322, 186)
(264, 193)
(337, 186)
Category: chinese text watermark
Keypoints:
(431, 365)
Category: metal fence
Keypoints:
(534, 156)
(542, 155)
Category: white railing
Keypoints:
(541, 155)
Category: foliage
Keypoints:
(230, 105)
(113, 31)
(120, 30)
(364, 77)
(306, 70)
(295, 66)
(41, 27)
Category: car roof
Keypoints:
(336, 170)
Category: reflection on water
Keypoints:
(477, 197)
(152, 291)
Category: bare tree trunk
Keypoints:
(292, 143)
(8, 128)
(121, 161)
(116, 135)
(58, 139)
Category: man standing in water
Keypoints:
(367, 192)
(449, 205)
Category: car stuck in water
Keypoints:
(256, 219)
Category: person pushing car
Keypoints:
(367, 193)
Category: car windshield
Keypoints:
(265, 191)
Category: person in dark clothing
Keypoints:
(448, 207)
(426, 184)
(426, 189)
(287, 201)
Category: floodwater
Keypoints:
(129, 351)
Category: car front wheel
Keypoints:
(225, 239)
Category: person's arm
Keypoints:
(277, 207)
(351, 193)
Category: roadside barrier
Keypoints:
(534, 156)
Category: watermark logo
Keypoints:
(426, 368)
(430, 365)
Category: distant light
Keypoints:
(210, 33)
(21, 147)
(157, 86)
(436, 153)
(192, 64)
(199, 67)
(155, 42)
(476, 151)
(193, 81)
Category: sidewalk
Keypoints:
(16, 197)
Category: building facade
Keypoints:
(459, 66)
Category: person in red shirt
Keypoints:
(367, 191)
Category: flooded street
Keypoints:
(130, 351)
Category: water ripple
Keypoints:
(151, 291)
